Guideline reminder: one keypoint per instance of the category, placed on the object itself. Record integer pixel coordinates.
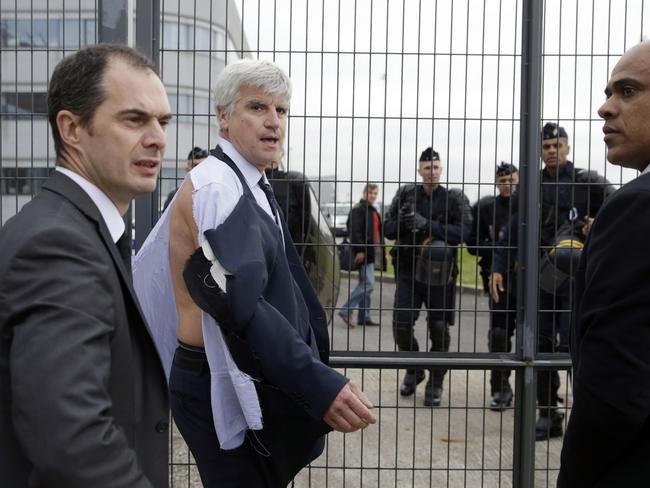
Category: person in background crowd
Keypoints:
(196, 155)
(571, 197)
(428, 222)
(366, 237)
(491, 215)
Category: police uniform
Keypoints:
(568, 197)
(491, 216)
(445, 216)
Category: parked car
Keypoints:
(337, 217)
(311, 233)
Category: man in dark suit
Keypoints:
(607, 442)
(248, 385)
(84, 398)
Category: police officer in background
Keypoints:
(571, 197)
(491, 215)
(427, 222)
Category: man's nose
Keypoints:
(155, 135)
(273, 119)
(605, 110)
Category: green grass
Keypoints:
(469, 271)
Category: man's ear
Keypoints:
(224, 119)
(69, 127)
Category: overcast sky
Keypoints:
(377, 82)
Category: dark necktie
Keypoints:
(268, 191)
(124, 248)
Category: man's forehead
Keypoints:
(139, 88)
(249, 92)
(561, 141)
(633, 64)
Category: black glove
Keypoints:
(204, 290)
(415, 221)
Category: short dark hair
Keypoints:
(429, 155)
(197, 153)
(76, 83)
(370, 186)
(551, 130)
(505, 169)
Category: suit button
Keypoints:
(162, 427)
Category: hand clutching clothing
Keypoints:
(350, 411)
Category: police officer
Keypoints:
(491, 215)
(427, 221)
(571, 197)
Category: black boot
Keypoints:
(501, 399)
(549, 424)
(432, 394)
(412, 378)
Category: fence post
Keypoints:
(147, 41)
(529, 147)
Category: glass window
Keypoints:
(202, 38)
(219, 44)
(186, 36)
(170, 35)
(22, 181)
(91, 31)
(24, 103)
(72, 34)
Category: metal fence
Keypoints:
(375, 82)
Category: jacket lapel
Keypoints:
(68, 189)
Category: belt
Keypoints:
(191, 359)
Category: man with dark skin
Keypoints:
(607, 442)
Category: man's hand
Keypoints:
(350, 410)
(416, 221)
(587, 227)
(496, 285)
(359, 257)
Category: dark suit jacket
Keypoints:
(84, 397)
(361, 222)
(607, 443)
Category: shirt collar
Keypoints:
(251, 174)
(106, 207)
(646, 170)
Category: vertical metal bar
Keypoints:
(147, 41)
(531, 76)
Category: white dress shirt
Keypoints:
(105, 205)
(217, 189)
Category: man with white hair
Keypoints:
(250, 388)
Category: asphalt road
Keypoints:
(459, 444)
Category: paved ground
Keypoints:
(459, 444)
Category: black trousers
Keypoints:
(189, 386)
(410, 295)
(503, 323)
(552, 336)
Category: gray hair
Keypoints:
(249, 72)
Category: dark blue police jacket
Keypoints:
(277, 333)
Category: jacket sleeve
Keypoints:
(479, 242)
(457, 225)
(505, 250)
(611, 390)
(57, 300)
(286, 359)
(391, 222)
(357, 228)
